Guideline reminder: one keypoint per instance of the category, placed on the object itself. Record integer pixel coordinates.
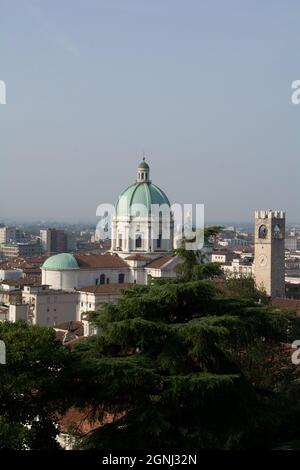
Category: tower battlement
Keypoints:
(270, 214)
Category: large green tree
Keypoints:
(33, 386)
(170, 361)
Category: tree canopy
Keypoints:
(194, 362)
(171, 362)
(31, 385)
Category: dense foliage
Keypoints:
(196, 362)
(179, 365)
(31, 386)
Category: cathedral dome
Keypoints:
(143, 194)
(61, 261)
(143, 221)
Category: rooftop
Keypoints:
(100, 261)
(137, 257)
(159, 262)
(105, 288)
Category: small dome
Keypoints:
(144, 194)
(143, 166)
(60, 262)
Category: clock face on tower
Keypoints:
(262, 231)
(262, 260)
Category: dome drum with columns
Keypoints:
(143, 221)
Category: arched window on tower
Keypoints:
(102, 279)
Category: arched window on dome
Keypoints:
(102, 279)
(138, 241)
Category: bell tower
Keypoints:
(269, 259)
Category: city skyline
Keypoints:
(204, 90)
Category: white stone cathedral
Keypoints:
(143, 221)
(142, 243)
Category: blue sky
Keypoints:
(202, 87)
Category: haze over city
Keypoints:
(203, 88)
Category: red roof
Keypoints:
(100, 261)
(73, 325)
(105, 288)
(23, 281)
(82, 420)
(138, 258)
(159, 262)
(287, 304)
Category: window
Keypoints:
(277, 231)
(102, 279)
(159, 241)
(90, 305)
(262, 231)
(120, 240)
(97, 282)
(121, 278)
(107, 280)
(138, 241)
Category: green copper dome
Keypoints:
(61, 261)
(143, 194)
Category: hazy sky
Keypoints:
(202, 87)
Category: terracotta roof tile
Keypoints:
(105, 288)
(82, 422)
(100, 261)
(23, 281)
(159, 262)
(287, 304)
(138, 258)
(74, 326)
